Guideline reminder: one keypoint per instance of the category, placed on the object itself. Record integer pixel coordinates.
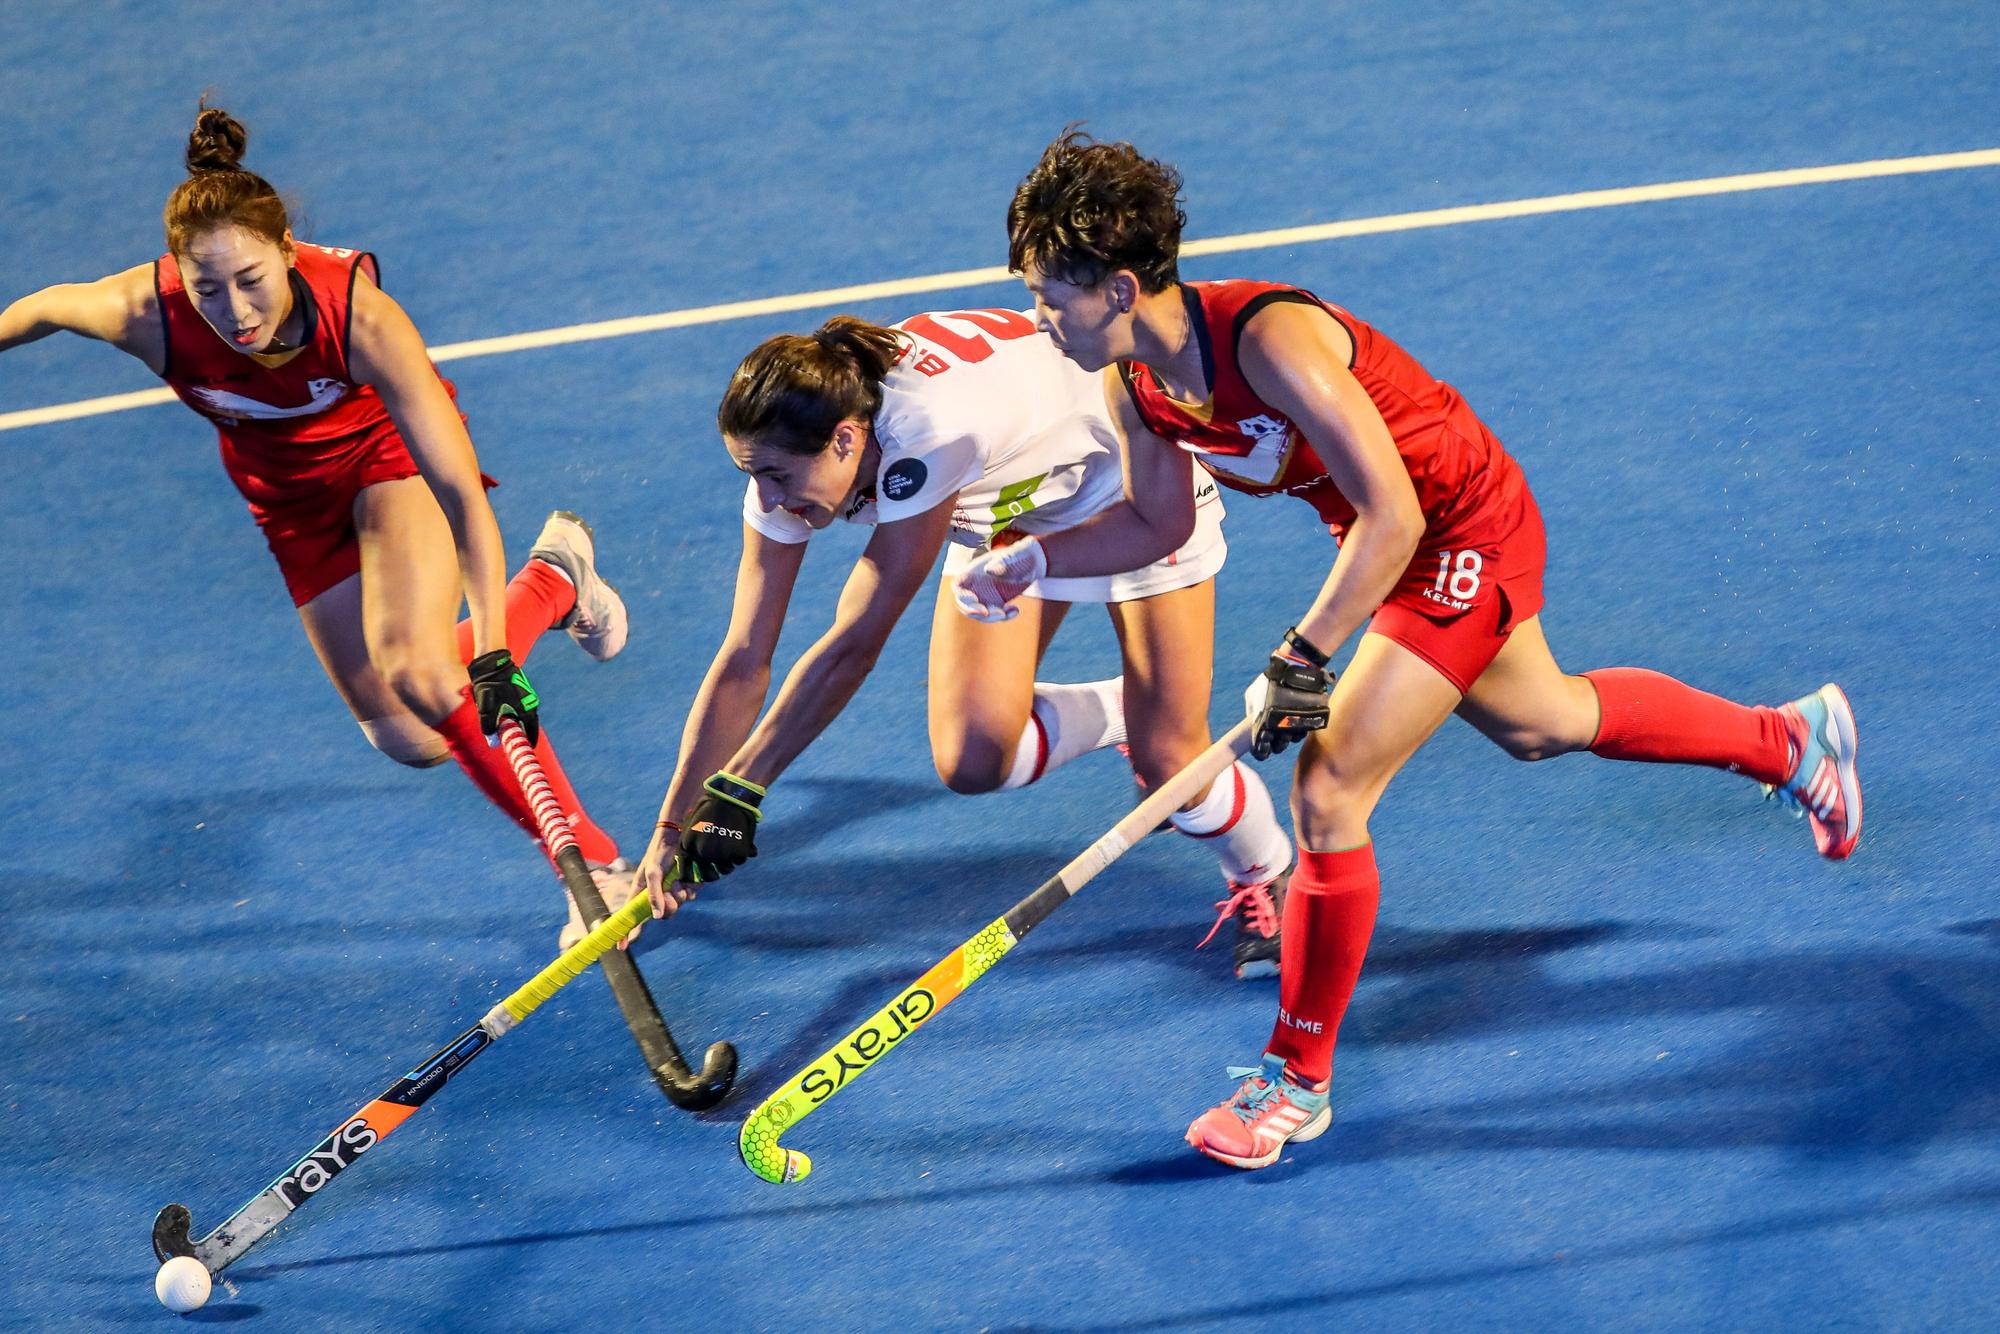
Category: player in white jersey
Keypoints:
(968, 427)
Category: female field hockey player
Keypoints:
(965, 427)
(351, 452)
(1441, 552)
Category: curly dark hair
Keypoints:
(1089, 209)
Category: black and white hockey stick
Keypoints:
(683, 1087)
(173, 1230)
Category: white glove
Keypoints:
(991, 583)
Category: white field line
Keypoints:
(827, 297)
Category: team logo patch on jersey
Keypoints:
(904, 478)
(325, 393)
(1262, 427)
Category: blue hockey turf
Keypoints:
(1627, 1054)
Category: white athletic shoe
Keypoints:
(615, 882)
(597, 622)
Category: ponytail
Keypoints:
(794, 389)
(218, 191)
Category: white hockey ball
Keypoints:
(182, 1284)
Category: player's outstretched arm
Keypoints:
(1154, 520)
(721, 830)
(122, 310)
(386, 351)
(895, 564)
(731, 696)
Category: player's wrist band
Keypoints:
(1296, 643)
(732, 788)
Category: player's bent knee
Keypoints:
(1156, 764)
(970, 762)
(1537, 743)
(1326, 805)
(1531, 746)
(970, 774)
(422, 688)
(404, 739)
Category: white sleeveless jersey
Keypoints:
(983, 406)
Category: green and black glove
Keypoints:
(501, 690)
(721, 834)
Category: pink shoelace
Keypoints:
(1254, 901)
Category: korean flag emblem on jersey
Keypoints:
(1266, 458)
(1262, 427)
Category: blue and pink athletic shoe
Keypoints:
(1267, 1112)
(1824, 786)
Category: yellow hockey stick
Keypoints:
(809, 1089)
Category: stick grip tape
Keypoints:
(604, 936)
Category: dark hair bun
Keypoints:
(217, 142)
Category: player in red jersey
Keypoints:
(355, 461)
(1274, 390)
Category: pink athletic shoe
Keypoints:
(1824, 786)
(1267, 1112)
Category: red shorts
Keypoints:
(302, 497)
(314, 538)
(1455, 606)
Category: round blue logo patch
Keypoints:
(904, 478)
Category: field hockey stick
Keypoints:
(841, 1064)
(684, 1088)
(173, 1229)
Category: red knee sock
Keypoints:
(488, 768)
(1648, 716)
(537, 597)
(593, 842)
(1329, 916)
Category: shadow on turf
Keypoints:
(1880, 1053)
(835, 801)
(1977, 1194)
(200, 848)
(226, 1311)
(1397, 951)
(1982, 1193)
(1861, 1051)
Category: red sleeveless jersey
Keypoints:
(1461, 473)
(294, 427)
(306, 396)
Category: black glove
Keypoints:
(1290, 698)
(721, 834)
(501, 690)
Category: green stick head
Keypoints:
(762, 1154)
